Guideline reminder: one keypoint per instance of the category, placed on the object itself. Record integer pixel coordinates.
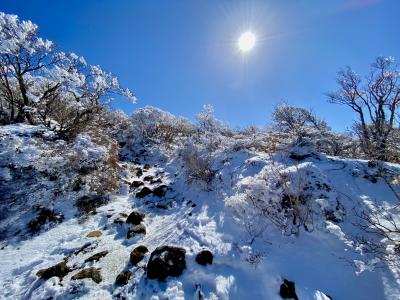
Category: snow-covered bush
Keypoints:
(152, 127)
(198, 164)
(275, 195)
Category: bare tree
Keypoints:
(298, 122)
(375, 100)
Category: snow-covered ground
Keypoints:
(249, 262)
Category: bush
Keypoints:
(198, 165)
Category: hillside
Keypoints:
(251, 254)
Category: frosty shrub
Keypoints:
(198, 164)
(151, 126)
(379, 235)
(276, 196)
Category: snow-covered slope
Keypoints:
(251, 256)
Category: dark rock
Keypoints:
(123, 278)
(160, 190)
(88, 203)
(145, 191)
(204, 257)
(299, 157)
(161, 206)
(158, 180)
(146, 166)
(166, 261)
(119, 221)
(135, 217)
(288, 290)
(91, 273)
(44, 216)
(139, 172)
(138, 254)
(148, 178)
(136, 183)
(137, 229)
(84, 248)
(124, 215)
(59, 270)
(96, 256)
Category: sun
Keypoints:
(246, 41)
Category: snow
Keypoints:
(249, 262)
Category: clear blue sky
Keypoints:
(179, 55)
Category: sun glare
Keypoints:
(246, 41)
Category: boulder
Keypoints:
(96, 256)
(59, 270)
(204, 257)
(145, 191)
(135, 218)
(166, 261)
(96, 233)
(138, 254)
(146, 166)
(91, 273)
(160, 190)
(134, 230)
(123, 277)
(288, 290)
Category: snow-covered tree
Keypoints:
(41, 85)
(375, 100)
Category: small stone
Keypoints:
(160, 190)
(146, 166)
(138, 254)
(161, 206)
(91, 273)
(204, 257)
(148, 178)
(137, 229)
(135, 218)
(145, 191)
(96, 233)
(136, 183)
(119, 221)
(288, 290)
(96, 257)
(123, 278)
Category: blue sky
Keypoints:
(180, 55)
